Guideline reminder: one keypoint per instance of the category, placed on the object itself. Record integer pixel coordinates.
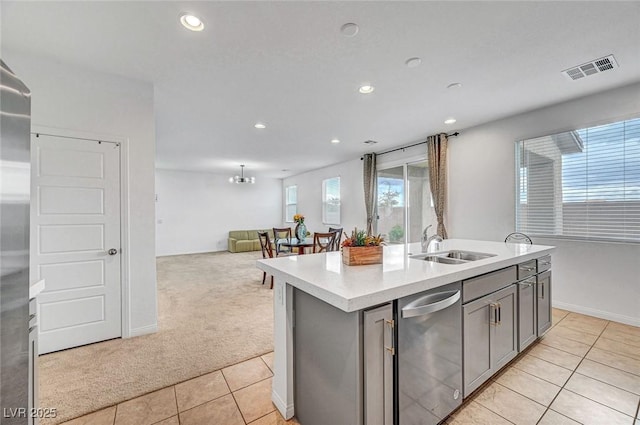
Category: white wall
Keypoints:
(602, 279)
(352, 210)
(88, 101)
(195, 211)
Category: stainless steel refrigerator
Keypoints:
(15, 370)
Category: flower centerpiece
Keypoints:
(301, 229)
(361, 249)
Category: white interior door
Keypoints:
(75, 240)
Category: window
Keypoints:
(331, 201)
(582, 184)
(290, 203)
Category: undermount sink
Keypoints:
(468, 255)
(452, 257)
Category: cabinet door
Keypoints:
(544, 302)
(378, 365)
(527, 323)
(476, 318)
(504, 344)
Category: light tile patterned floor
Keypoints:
(236, 395)
(583, 371)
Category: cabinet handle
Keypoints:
(391, 323)
(494, 313)
(542, 291)
(526, 283)
(499, 313)
(545, 263)
(528, 269)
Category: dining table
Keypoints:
(300, 244)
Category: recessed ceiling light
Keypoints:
(335, 141)
(191, 22)
(260, 125)
(366, 89)
(450, 121)
(349, 29)
(413, 62)
(454, 85)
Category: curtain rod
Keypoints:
(410, 146)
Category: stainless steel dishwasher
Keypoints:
(429, 355)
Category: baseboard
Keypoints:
(286, 411)
(144, 330)
(633, 321)
(191, 253)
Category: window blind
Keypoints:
(331, 201)
(582, 184)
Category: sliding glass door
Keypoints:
(391, 204)
(405, 206)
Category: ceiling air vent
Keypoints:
(594, 67)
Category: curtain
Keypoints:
(437, 156)
(370, 177)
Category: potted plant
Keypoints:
(361, 249)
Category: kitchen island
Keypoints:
(339, 293)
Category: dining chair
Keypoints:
(517, 237)
(338, 232)
(267, 252)
(281, 235)
(324, 242)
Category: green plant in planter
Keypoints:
(396, 233)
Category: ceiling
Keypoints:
(288, 65)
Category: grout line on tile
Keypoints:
(265, 363)
(115, 414)
(496, 413)
(613, 367)
(253, 383)
(208, 401)
(238, 407)
(175, 395)
(637, 412)
(596, 401)
(616, 352)
(570, 376)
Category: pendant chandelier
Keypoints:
(241, 178)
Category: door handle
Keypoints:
(430, 304)
(392, 349)
(112, 251)
(493, 307)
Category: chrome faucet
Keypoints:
(430, 243)
(433, 243)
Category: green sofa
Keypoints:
(245, 240)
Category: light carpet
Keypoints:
(213, 311)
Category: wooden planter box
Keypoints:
(361, 255)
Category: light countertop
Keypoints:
(352, 288)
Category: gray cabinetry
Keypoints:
(378, 354)
(489, 326)
(527, 315)
(543, 291)
(504, 330)
(327, 363)
(476, 318)
(527, 325)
